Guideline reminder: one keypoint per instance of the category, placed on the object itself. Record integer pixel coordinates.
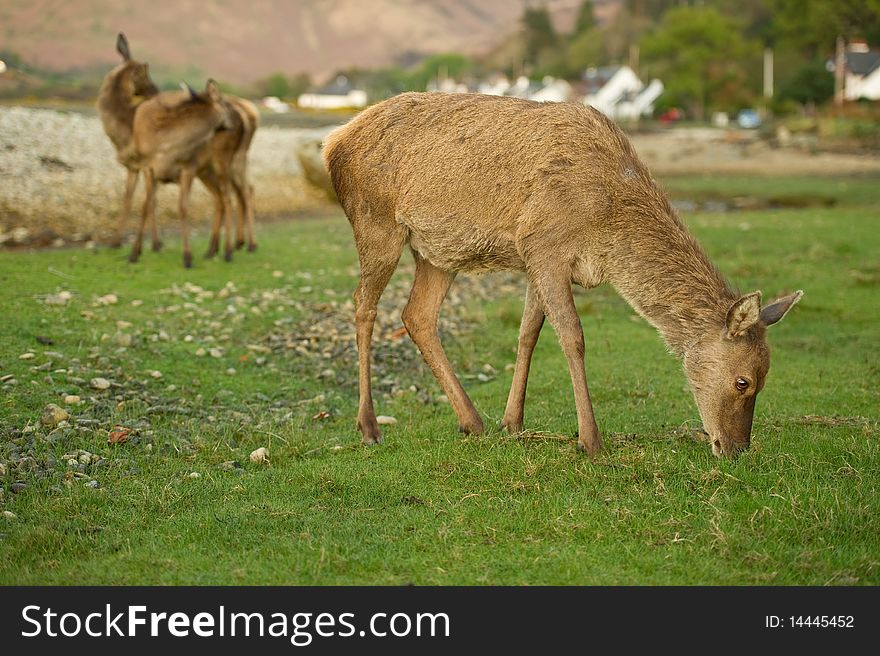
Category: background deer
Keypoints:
(482, 183)
(121, 91)
(172, 136)
(129, 84)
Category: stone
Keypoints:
(385, 420)
(99, 383)
(53, 415)
(260, 456)
(72, 399)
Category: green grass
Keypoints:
(430, 506)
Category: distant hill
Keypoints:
(242, 41)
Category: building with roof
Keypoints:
(338, 94)
(862, 77)
(617, 92)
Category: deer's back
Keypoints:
(467, 174)
(170, 131)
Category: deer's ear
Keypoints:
(213, 91)
(122, 47)
(743, 314)
(774, 312)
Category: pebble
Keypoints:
(99, 383)
(61, 298)
(385, 420)
(260, 455)
(194, 474)
(27, 356)
(201, 352)
(93, 484)
(9, 515)
(230, 371)
(216, 352)
(107, 299)
(72, 399)
(53, 415)
(2, 469)
(18, 487)
(155, 374)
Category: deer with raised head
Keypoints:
(129, 84)
(479, 183)
(122, 90)
(172, 142)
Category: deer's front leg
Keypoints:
(529, 331)
(554, 290)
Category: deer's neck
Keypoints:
(115, 105)
(661, 270)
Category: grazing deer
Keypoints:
(121, 91)
(172, 137)
(481, 183)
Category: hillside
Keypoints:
(242, 41)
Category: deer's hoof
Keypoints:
(228, 256)
(157, 246)
(252, 248)
(239, 244)
(188, 260)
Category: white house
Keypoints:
(339, 94)
(862, 79)
(552, 90)
(618, 92)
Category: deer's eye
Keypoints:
(742, 384)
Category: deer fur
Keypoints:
(129, 84)
(172, 134)
(479, 183)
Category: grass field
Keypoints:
(209, 364)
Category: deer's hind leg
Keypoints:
(420, 318)
(529, 331)
(379, 245)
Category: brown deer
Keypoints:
(481, 183)
(172, 142)
(229, 149)
(122, 90)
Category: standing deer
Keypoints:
(122, 90)
(481, 183)
(172, 140)
(229, 150)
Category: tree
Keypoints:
(299, 84)
(813, 83)
(697, 52)
(585, 20)
(276, 85)
(540, 36)
(812, 26)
